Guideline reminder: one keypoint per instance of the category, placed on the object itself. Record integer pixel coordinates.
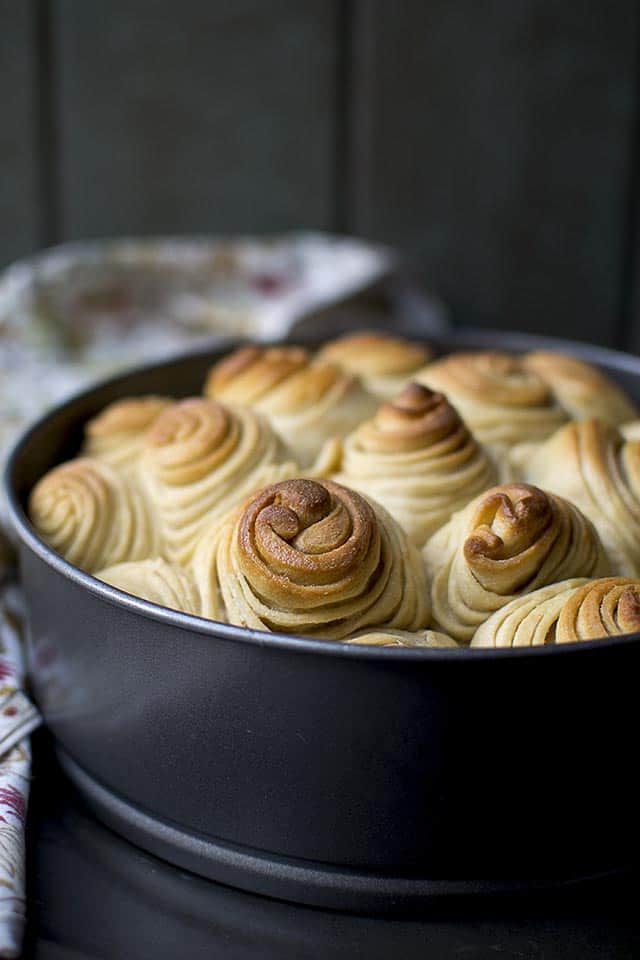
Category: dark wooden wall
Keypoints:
(494, 141)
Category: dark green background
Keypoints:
(494, 141)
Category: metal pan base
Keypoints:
(300, 881)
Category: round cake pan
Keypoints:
(344, 776)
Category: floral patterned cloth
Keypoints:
(18, 718)
(14, 793)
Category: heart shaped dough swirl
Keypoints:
(117, 433)
(92, 515)
(565, 613)
(156, 581)
(308, 404)
(417, 458)
(591, 463)
(313, 558)
(383, 361)
(501, 400)
(199, 459)
(507, 542)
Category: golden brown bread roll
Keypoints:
(199, 459)
(92, 515)
(508, 400)
(156, 581)
(581, 389)
(509, 541)
(401, 638)
(501, 400)
(603, 608)
(565, 613)
(313, 558)
(117, 433)
(590, 463)
(307, 404)
(417, 458)
(383, 361)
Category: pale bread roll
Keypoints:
(402, 638)
(592, 464)
(418, 459)
(157, 581)
(93, 516)
(385, 362)
(500, 399)
(116, 435)
(565, 612)
(308, 404)
(199, 459)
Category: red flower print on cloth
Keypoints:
(13, 800)
(6, 670)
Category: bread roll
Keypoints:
(508, 400)
(529, 620)
(401, 638)
(92, 515)
(117, 433)
(590, 463)
(502, 401)
(565, 613)
(313, 558)
(199, 459)
(581, 389)
(417, 458)
(383, 361)
(156, 581)
(603, 608)
(509, 541)
(307, 404)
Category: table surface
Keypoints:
(92, 894)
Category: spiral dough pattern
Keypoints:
(582, 390)
(312, 558)
(592, 464)
(117, 434)
(308, 404)
(603, 608)
(200, 458)
(502, 401)
(92, 516)
(507, 542)
(418, 459)
(565, 613)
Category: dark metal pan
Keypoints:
(85, 879)
(344, 776)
